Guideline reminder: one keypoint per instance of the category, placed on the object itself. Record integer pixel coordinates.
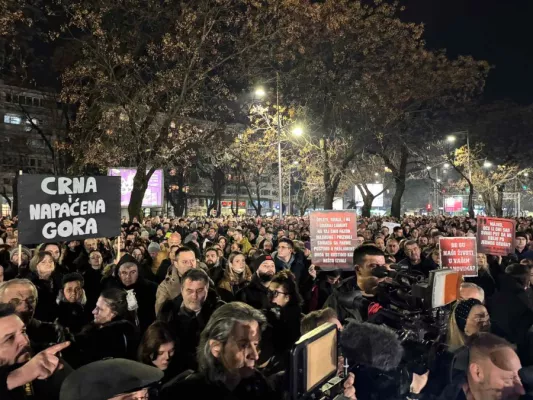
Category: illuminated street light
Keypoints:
(297, 131)
(438, 180)
(428, 168)
(376, 174)
(446, 165)
(260, 92)
(487, 164)
(451, 138)
(295, 162)
(526, 174)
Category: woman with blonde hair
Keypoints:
(468, 317)
(236, 276)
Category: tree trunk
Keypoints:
(498, 206)
(400, 176)
(140, 183)
(396, 205)
(367, 206)
(329, 195)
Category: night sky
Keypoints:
(499, 31)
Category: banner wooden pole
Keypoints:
(20, 245)
(119, 242)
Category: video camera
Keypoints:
(418, 310)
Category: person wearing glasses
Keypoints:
(286, 258)
(348, 299)
(284, 319)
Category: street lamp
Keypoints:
(446, 165)
(487, 164)
(260, 92)
(451, 138)
(376, 174)
(296, 131)
(428, 168)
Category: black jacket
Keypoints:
(486, 281)
(255, 294)
(145, 292)
(47, 389)
(348, 301)
(187, 325)
(73, 316)
(47, 291)
(198, 386)
(116, 339)
(511, 317)
(162, 270)
(296, 265)
(92, 286)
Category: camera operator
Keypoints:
(348, 299)
(227, 356)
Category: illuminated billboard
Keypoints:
(153, 197)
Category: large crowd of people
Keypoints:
(211, 308)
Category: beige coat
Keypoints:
(170, 288)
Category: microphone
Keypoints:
(371, 345)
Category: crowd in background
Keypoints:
(163, 297)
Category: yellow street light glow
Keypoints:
(487, 164)
(297, 131)
(451, 138)
(260, 92)
(446, 165)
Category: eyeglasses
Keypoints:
(276, 293)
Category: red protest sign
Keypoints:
(459, 254)
(495, 235)
(333, 238)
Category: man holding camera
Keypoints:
(348, 299)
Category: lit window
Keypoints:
(12, 119)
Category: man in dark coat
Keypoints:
(144, 290)
(286, 258)
(21, 375)
(189, 313)
(256, 293)
(510, 313)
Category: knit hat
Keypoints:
(261, 259)
(153, 247)
(462, 310)
(15, 250)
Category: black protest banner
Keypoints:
(53, 208)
